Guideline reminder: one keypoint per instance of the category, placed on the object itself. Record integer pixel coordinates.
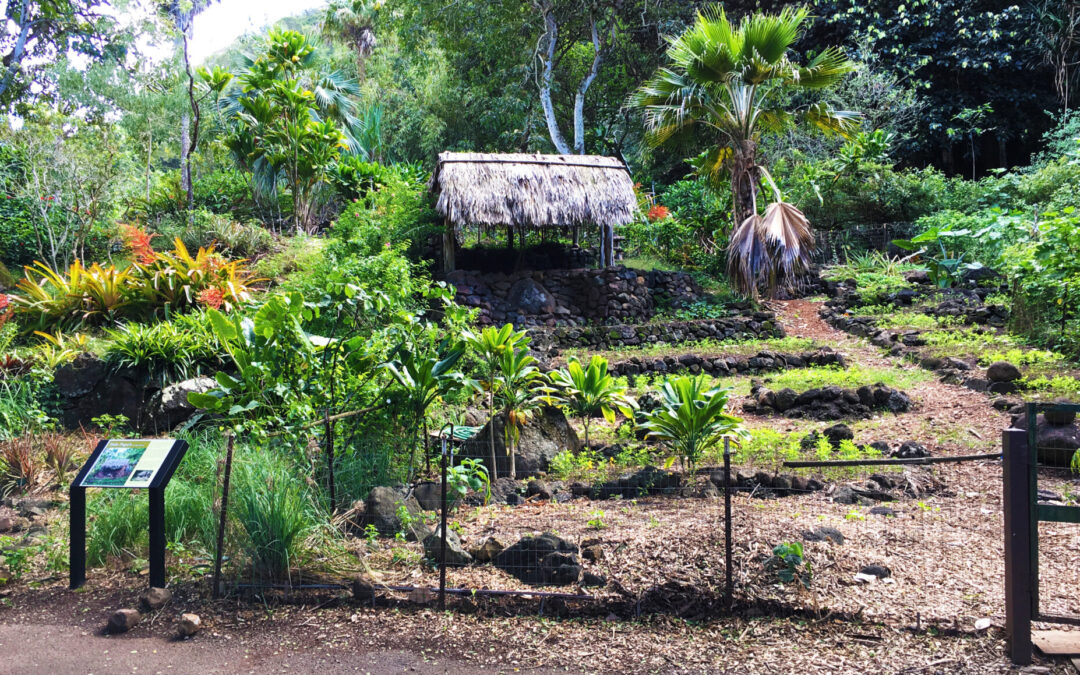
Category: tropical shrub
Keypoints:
(589, 391)
(691, 418)
(166, 351)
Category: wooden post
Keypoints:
(448, 246)
(222, 517)
(1018, 544)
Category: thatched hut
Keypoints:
(523, 191)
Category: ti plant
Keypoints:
(469, 474)
(520, 392)
(426, 378)
(588, 391)
(691, 418)
(489, 345)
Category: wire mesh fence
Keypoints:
(835, 246)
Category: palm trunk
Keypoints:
(744, 181)
(491, 432)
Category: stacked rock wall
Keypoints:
(572, 296)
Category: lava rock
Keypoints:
(123, 620)
(487, 550)
(1002, 371)
(1060, 418)
(539, 489)
(154, 598)
(824, 534)
(883, 511)
(911, 450)
(592, 580)
(528, 560)
(456, 556)
(592, 552)
(879, 571)
(839, 433)
(381, 510)
(428, 495)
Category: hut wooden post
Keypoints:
(602, 260)
(448, 246)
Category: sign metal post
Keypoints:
(123, 463)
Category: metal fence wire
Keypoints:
(835, 246)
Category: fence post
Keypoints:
(442, 526)
(729, 582)
(219, 551)
(1017, 503)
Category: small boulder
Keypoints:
(428, 495)
(784, 399)
(593, 553)
(845, 495)
(123, 620)
(838, 433)
(879, 571)
(883, 511)
(381, 510)
(560, 569)
(911, 450)
(188, 625)
(540, 490)
(154, 598)
(1060, 418)
(824, 534)
(1002, 371)
(456, 556)
(487, 550)
(592, 580)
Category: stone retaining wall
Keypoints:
(548, 341)
(726, 365)
(573, 296)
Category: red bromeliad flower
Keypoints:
(139, 243)
(4, 302)
(213, 298)
(657, 212)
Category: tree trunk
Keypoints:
(585, 423)
(579, 98)
(551, 37)
(491, 430)
(185, 154)
(744, 181)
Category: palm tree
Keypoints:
(490, 345)
(590, 390)
(353, 22)
(734, 81)
(691, 418)
(520, 392)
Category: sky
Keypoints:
(221, 23)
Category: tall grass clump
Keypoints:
(275, 512)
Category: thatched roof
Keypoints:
(532, 190)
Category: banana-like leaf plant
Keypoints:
(426, 378)
(589, 390)
(691, 418)
(730, 84)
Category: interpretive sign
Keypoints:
(126, 463)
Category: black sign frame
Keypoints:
(156, 491)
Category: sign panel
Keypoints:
(126, 463)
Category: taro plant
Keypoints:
(691, 418)
(789, 564)
(589, 391)
(943, 266)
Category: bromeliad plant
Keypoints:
(589, 391)
(732, 84)
(691, 418)
(49, 299)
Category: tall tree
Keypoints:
(353, 22)
(37, 34)
(732, 84)
(183, 13)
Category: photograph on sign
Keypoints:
(128, 463)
